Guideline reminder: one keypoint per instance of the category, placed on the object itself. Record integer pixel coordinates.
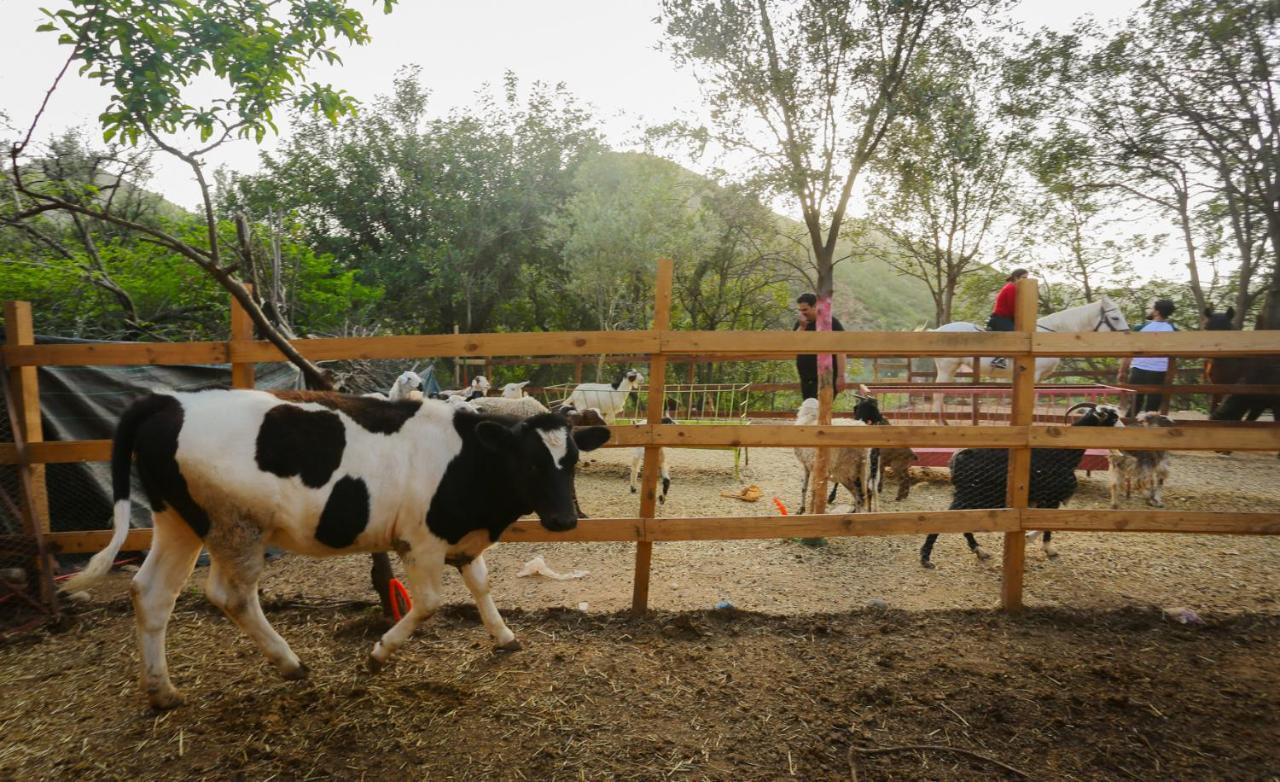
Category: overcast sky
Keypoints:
(604, 52)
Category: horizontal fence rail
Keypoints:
(707, 345)
(663, 345)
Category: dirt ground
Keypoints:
(800, 679)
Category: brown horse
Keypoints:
(1220, 371)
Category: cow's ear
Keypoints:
(495, 436)
(589, 438)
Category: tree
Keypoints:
(806, 92)
(1180, 102)
(947, 177)
(627, 210)
(148, 54)
(257, 51)
(448, 214)
(734, 277)
(1069, 224)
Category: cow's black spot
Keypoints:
(375, 415)
(345, 515)
(152, 424)
(307, 443)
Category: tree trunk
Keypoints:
(1188, 239)
(821, 463)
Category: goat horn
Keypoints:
(1077, 406)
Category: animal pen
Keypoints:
(691, 404)
(30, 453)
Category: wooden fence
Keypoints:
(661, 345)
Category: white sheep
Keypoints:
(848, 467)
(462, 404)
(477, 390)
(407, 386)
(524, 407)
(514, 390)
(608, 398)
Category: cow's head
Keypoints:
(538, 456)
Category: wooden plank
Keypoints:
(1200, 388)
(587, 531)
(93, 541)
(852, 343)
(1148, 520)
(242, 373)
(523, 531)
(1195, 435)
(1195, 344)
(117, 354)
(652, 454)
(550, 343)
(1175, 438)
(24, 386)
(855, 524)
(778, 436)
(832, 525)
(70, 451)
(1018, 483)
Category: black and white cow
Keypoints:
(326, 474)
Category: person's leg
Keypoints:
(1154, 400)
(1135, 402)
(998, 323)
(808, 387)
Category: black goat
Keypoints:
(979, 477)
(897, 459)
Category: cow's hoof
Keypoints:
(633, 490)
(296, 674)
(374, 664)
(927, 565)
(662, 500)
(981, 554)
(1155, 503)
(1050, 552)
(165, 699)
(513, 645)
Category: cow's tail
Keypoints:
(121, 464)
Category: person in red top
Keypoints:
(1002, 313)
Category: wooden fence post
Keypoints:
(242, 374)
(23, 407)
(654, 412)
(25, 386)
(1019, 478)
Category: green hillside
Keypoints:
(869, 294)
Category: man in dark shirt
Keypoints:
(807, 365)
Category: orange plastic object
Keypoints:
(781, 508)
(400, 602)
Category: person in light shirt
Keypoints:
(1149, 370)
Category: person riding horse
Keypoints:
(1002, 313)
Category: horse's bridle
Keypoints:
(1103, 320)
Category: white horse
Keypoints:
(1100, 315)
